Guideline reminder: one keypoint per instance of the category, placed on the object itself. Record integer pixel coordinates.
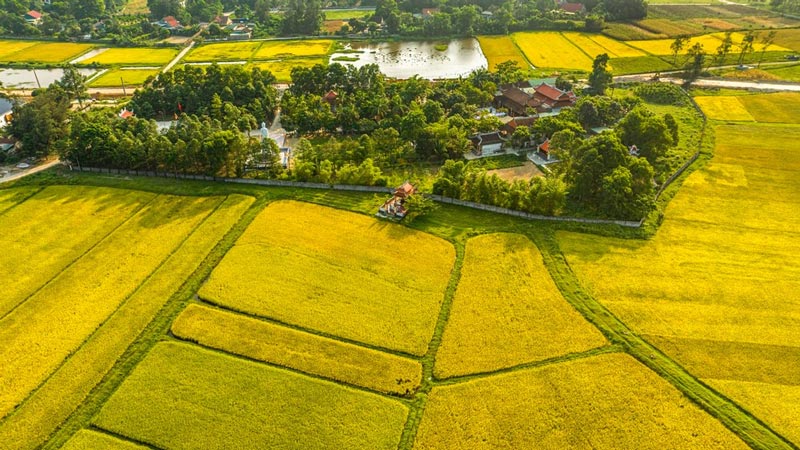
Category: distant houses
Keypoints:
(170, 23)
(522, 101)
(33, 17)
(487, 144)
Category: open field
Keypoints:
(789, 39)
(71, 383)
(293, 49)
(730, 237)
(131, 77)
(508, 312)
(93, 440)
(345, 14)
(306, 352)
(629, 32)
(229, 51)
(340, 273)
(136, 7)
(87, 292)
(498, 49)
(551, 49)
(593, 47)
(133, 57)
(547, 407)
(183, 397)
(45, 52)
(283, 69)
(670, 28)
(766, 108)
(61, 224)
(787, 73)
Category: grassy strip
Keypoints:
(83, 297)
(305, 352)
(508, 312)
(750, 429)
(68, 387)
(230, 402)
(94, 440)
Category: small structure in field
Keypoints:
(394, 208)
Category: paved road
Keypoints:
(178, 57)
(26, 172)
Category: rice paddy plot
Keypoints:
(93, 440)
(282, 70)
(306, 352)
(84, 295)
(183, 397)
(337, 272)
(499, 49)
(68, 387)
(9, 47)
(724, 108)
(228, 51)
(629, 32)
(639, 64)
(786, 73)
(293, 49)
(133, 57)
(779, 107)
(507, 311)
(609, 402)
(50, 230)
(47, 52)
(710, 42)
(789, 39)
(128, 77)
(10, 198)
(615, 48)
(671, 28)
(551, 49)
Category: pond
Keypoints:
(428, 59)
(26, 79)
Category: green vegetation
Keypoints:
(268, 404)
(92, 440)
(130, 77)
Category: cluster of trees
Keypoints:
(540, 195)
(67, 18)
(228, 93)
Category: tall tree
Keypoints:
(73, 83)
(766, 41)
(600, 77)
(747, 45)
(677, 45)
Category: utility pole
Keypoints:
(37, 79)
(123, 87)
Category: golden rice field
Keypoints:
(710, 42)
(184, 397)
(9, 198)
(46, 52)
(720, 107)
(133, 57)
(722, 275)
(293, 49)
(282, 70)
(778, 107)
(88, 292)
(549, 407)
(130, 77)
(228, 51)
(551, 49)
(498, 49)
(93, 440)
(337, 272)
(329, 358)
(63, 391)
(8, 47)
(596, 44)
(507, 311)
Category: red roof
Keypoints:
(573, 7)
(405, 190)
(545, 146)
(331, 95)
(171, 21)
(550, 92)
(125, 114)
(34, 14)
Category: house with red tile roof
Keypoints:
(33, 17)
(573, 8)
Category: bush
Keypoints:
(661, 93)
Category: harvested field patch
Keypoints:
(776, 404)
(724, 108)
(133, 57)
(669, 27)
(332, 26)
(629, 32)
(716, 24)
(183, 397)
(92, 440)
(525, 172)
(293, 49)
(552, 50)
(55, 400)
(498, 49)
(47, 52)
(547, 407)
(231, 51)
(507, 311)
(83, 296)
(131, 77)
(338, 273)
(60, 224)
(789, 39)
(306, 352)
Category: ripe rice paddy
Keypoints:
(282, 70)
(546, 408)
(133, 57)
(182, 397)
(338, 273)
(228, 51)
(9, 47)
(131, 77)
(306, 352)
(498, 49)
(507, 311)
(721, 275)
(293, 49)
(93, 440)
(551, 49)
(44, 52)
(766, 108)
